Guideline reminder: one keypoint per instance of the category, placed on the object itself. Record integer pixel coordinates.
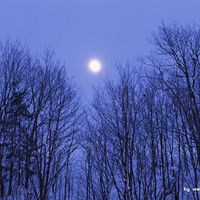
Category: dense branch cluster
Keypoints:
(39, 114)
(145, 131)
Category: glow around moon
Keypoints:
(95, 66)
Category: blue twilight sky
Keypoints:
(80, 30)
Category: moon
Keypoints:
(95, 66)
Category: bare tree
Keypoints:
(56, 107)
(15, 63)
(40, 118)
(176, 59)
(116, 138)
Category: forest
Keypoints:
(138, 139)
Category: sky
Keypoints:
(111, 31)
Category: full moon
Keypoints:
(95, 66)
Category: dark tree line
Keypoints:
(143, 130)
(39, 113)
(139, 139)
